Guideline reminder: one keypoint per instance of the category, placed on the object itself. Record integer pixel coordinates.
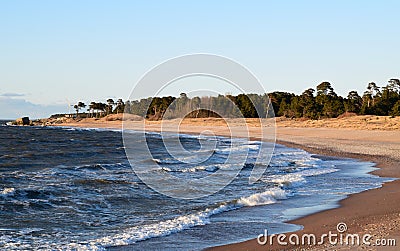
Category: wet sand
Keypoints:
(375, 212)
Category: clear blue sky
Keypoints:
(53, 51)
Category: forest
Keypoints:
(318, 103)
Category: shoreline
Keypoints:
(381, 201)
(375, 211)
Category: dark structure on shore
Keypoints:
(22, 121)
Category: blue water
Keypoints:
(66, 188)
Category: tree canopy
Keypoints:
(322, 102)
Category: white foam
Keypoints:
(166, 161)
(237, 148)
(208, 168)
(287, 180)
(140, 233)
(192, 169)
(268, 197)
(281, 163)
(319, 171)
(296, 178)
(71, 128)
(8, 191)
(177, 224)
(164, 228)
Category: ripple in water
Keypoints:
(59, 193)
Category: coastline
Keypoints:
(376, 211)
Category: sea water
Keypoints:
(73, 189)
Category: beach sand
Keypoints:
(375, 212)
(371, 138)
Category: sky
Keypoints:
(56, 53)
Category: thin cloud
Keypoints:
(12, 94)
(13, 108)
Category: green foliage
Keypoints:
(279, 99)
(353, 103)
(396, 109)
(97, 109)
(325, 104)
(110, 105)
(245, 106)
(158, 106)
(325, 89)
(78, 107)
(381, 101)
(308, 104)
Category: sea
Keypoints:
(74, 189)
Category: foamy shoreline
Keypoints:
(368, 211)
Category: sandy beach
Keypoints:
(375, 212)
(370, 138)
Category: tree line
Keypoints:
(322, 102)
(228, 106)
(99, 109)
(325, 103)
